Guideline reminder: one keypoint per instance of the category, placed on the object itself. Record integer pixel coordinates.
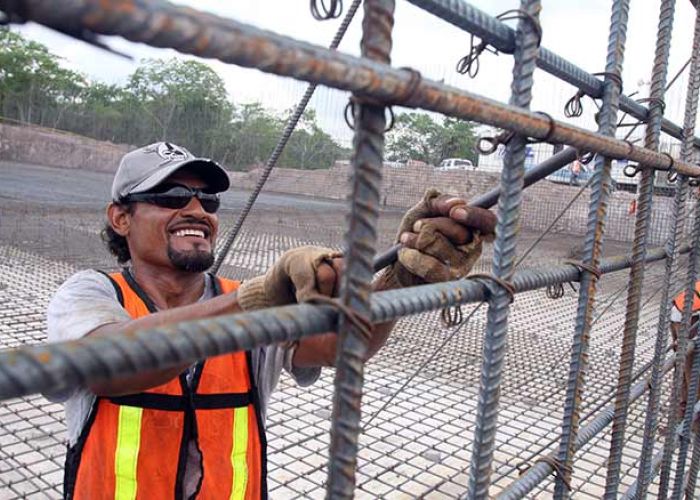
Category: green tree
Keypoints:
(417, 136)
(309, 147)
(34, 88)
(183, 101)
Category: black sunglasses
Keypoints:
(176, 196)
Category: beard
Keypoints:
(195, 261)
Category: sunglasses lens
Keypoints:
(176, 197)
(210, 202)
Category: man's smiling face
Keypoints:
(181, 238)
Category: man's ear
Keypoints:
(119, 218)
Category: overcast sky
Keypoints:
(574, 29)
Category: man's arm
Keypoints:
(223, 304)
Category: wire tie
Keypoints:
(324, 13)
(452, 316)
(491, 279)
(614, 77)
(653, 101)
(552, 127)
(525, 16)
(574, 107)
(559, 469)
(582, 266)
(360, 322)
(671, 162)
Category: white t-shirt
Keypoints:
(87, 300)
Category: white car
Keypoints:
(455, 164)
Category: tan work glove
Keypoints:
(442, 239)
(291, 279)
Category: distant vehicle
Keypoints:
(565, 176)
(455, 164)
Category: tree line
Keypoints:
(185, 102)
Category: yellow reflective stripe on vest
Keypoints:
(127, 452)
(239, 453)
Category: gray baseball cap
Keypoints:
(145, 168)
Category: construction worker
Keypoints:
(676, 324)
(198, 431)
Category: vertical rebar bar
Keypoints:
(360, 243)
(526, 47)
(686, 427)
(639, 247)
(681, 353)
(694, 468)
(600, 193)
(677, 229)
(279, 147)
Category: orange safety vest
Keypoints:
(679, 301)
(135, 447)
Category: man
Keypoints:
(198, 431)
(676, 318)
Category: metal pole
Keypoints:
(279, 148)
(694, 465)
(592, 250)
(52, 368)
(678, 216)
(542, 468)
(161, 24)
(639, 247)
(693, 262)
(526, 46)
(502, 37)
(360, 242)
(686, 432)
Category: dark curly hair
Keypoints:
(116, 244)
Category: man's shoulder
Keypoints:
(88, 282)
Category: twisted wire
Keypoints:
(225, 248)
(526, 47)
(639, 247)
(322, 12)
(691, 109)
(593, 248)
(360, 242)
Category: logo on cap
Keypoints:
(170, 152)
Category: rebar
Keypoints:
(360, 243)
(543, 468)
(161, 24)
(279, 147)
(639, 247)
(592, 250)
(677, 226)
(502, 37)
(694, 465)
(686, 426)
(526, 46)
(682, 340)
(51, 368)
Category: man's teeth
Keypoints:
(190, 232)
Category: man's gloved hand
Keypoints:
(442, 238)
(296, 276)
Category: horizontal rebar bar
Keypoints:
(502, 37)
(162, 24)
(543, 468)
(50, 368)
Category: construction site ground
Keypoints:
(419, 444)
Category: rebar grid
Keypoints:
(592, 250)
(502, 37)
(642, 221)
(161, 24)
(677, 217)
(682, 341)
(360, 243)
(526, 47)
(279, 147)
(41, 365)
